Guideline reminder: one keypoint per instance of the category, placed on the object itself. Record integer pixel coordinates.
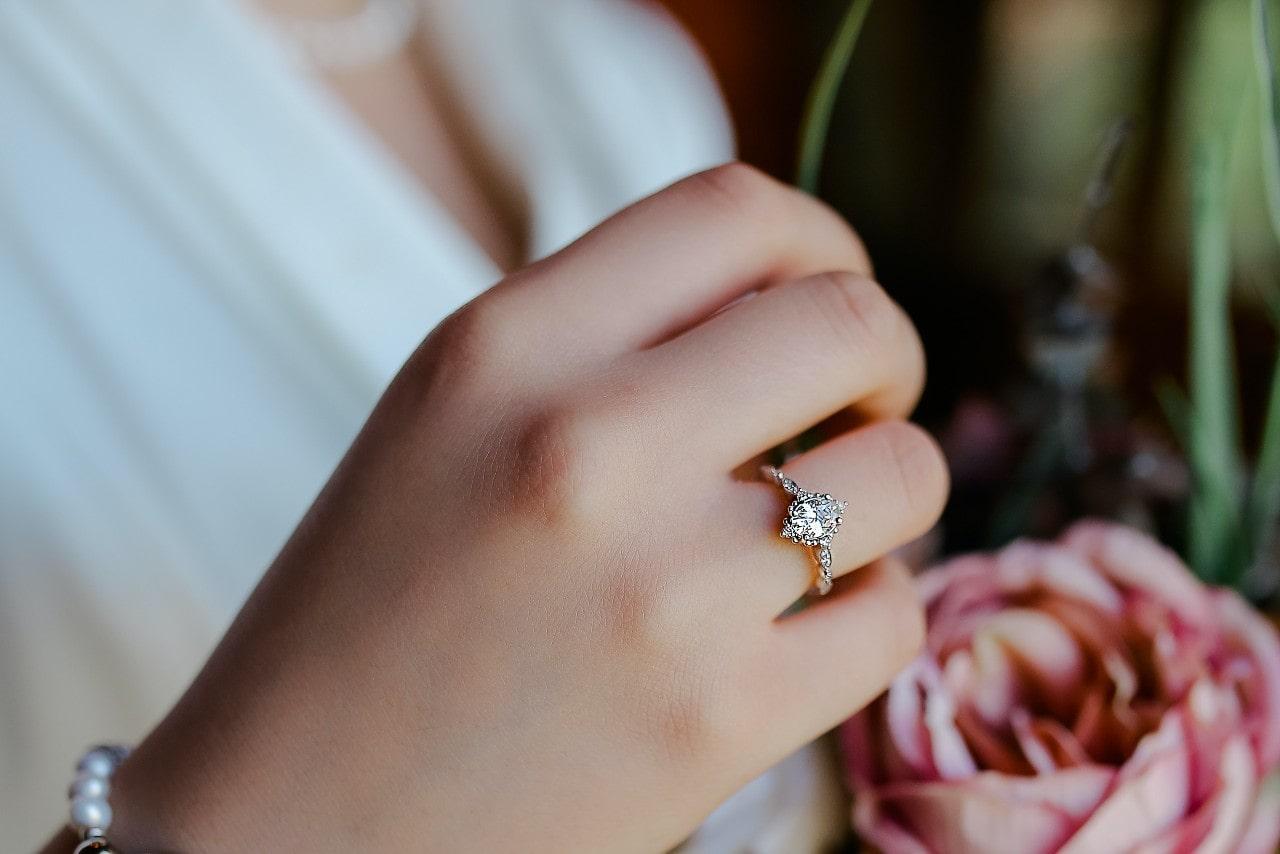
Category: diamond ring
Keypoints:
(812, 520)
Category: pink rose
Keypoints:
(1083, 696)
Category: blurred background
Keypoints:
(1021, 171)
(963, 146)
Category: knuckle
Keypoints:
(558, 466)
(467, 345)
(861, 314)
(647, 615)
(694, 722)
(734, 187)
(920, 469)
(474, 325)
(775, 213)
(630, 600)
(681, 702)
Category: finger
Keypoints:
(838, 654)
(775, 364)
(672, 259)
(893, 477)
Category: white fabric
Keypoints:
(208, 272)
(796, 807)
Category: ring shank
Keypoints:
(788, 485)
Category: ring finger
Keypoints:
(895, 481)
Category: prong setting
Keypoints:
(812, 520)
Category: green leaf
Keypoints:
(1177, 410)
(1214, 452)
(1213, 515)
(822, 96)
(1264, 496)
(1265, 14)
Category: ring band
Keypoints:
(812, 520)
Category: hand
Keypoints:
(533, 610)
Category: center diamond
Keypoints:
(813, 519)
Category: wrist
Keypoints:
(172, 796)
(230, 768)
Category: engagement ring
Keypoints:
(812, 520)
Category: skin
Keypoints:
(534, 609)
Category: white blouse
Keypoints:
(208, 273)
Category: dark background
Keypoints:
(962, 143)
(963, 140)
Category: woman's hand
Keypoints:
(534, 610)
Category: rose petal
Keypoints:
(1213, 718)
(1247, 629)
(1062, 745)
(959, 673)
(1097, 729)
(998, 813)
(956, 594)
(952, 630)
(1149, 797)
(1037, 754)
(1178, 660)
(1041, 645)
(1184, 836)
(975, 570)
(951, 757)
(1235, 797)
(1134, 560)
(1263, 830)
(1074, 791)
(1024, 566)
(904, 718)
(993, 689)
(1217, 825)
(993, 752)
(1098, 634)
(858, 749)
(959, 822)
(871, 823)
(1125, 683)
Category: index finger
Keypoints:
(672, 259)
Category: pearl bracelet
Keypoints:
(90, 812)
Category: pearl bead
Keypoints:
(89, 786)
(98, 763)
(89, 813)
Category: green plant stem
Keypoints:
(816, 121)
(1264, 494)
(1214, 454)
(1177, 409)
